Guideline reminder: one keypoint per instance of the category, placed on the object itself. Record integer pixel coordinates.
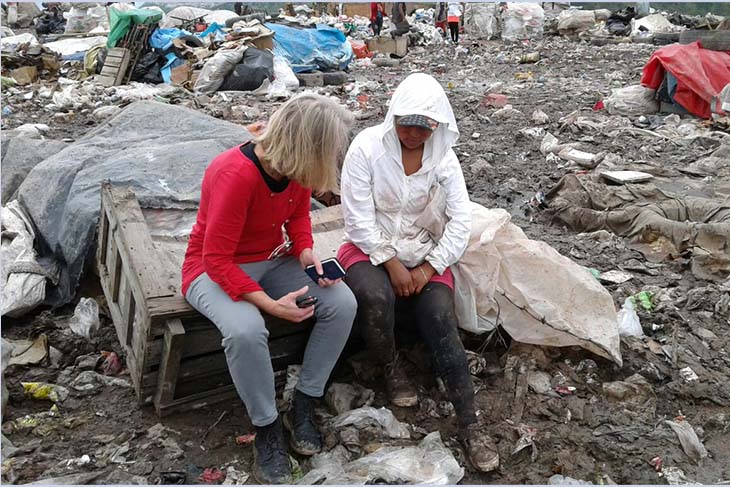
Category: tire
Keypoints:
(715, 40)
(192, 41)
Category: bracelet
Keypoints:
(424, 273)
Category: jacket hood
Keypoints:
(421, 94)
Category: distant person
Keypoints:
(377, 10)
(454, 17)
(441, 17)
(239, 264)
(398, 19)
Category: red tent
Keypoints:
(701, 74)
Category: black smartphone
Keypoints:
(306, 301)
(331, 267)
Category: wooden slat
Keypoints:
(170, 366)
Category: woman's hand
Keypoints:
(400, 278)
(421, 275)
(286, 307)
(307, 258)
(256, 128)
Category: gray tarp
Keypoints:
(21, 154)
(160, 150)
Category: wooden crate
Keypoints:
(115, 67)
(173, 353)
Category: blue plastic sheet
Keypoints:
(323, 48)
(162, 38)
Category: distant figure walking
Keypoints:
(455, 11)
(398, 19)
(441, 18)
(377, 10)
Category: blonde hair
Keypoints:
(306, 140)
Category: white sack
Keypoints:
(575, 21)
(23, 279)
(521, 21)
(480, 20)
(217, 68)
(631, 101)
(72, 45)
(503, 271)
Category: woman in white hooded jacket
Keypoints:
(393, 173)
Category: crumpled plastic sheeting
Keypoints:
(522, 21)
(367, 415)
(73, 45)
(480, 20)
(574, 21)
(631, 101)
(217, 68)
(23, 278)
(159, 150)
(430, 462)
(653, 23)
(323, 48)
(648, 215)
(190, 13)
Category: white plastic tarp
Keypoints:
(13, 41)
(652, 23)
(72, 45)
(481, 20)
(171, 19)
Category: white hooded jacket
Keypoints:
(381, 205)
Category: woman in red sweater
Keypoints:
(246, 254)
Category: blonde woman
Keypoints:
(238, 264)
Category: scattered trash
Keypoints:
(90, 382)
(539, 381)
(615, 277)
(627, 177)
(173, 478)
(564, 480)
(26, 352)
(111, 365)
(211, 476)
(369, 416)
(688, 375)
(527, 439)
(628, 320)
(631, 101)
(691, 445)
(506, 112)
(345, 397)
(633, 389)
(40, 390)
(245, 439)
(540, 118)
(235, 477)
(430, 462)
(86, 318)
(530, 57)
(494, 100)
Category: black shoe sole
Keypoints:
(307, 452)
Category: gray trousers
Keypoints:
(245, 337)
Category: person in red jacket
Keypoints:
(377, 10)
(246, 254)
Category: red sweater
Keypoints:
(239, 221)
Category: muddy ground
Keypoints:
(601, 432)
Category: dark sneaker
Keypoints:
(480, 449)
(270, 458)
(305, 438)
(401, 391)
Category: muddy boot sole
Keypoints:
(301, 449)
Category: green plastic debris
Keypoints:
(122, 21)
(645, 299)
(8, 82)
(594, 272)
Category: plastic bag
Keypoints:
(360, 49)
(217, 68)
(41, 390)
(631, 101)
(85, 318)
(522, 21)
(574, 21)
(628, 321)
(284, 72)
(255, 67)
(430, 462)
(82, 20)
(23, 279)
(480, 20)
(367, 415)
(344, 397)
(691, 444)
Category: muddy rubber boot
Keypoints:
(305, 438)
(480, 449)
(401, 391)
(270, 458)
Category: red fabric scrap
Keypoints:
(212, 476)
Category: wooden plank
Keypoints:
(170, 366)
(103, 240)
